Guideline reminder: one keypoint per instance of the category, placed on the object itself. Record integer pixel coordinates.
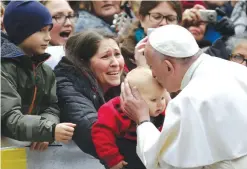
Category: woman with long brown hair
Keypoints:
(92, 66)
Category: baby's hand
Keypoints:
(120, 165)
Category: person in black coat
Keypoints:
(92, 67)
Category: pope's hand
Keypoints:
(132, 103)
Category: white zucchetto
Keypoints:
(174, 41)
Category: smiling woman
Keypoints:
(93, 64)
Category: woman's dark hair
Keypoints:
(146, 6)
(82, 46)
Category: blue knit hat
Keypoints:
(24, 18)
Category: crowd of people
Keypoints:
(135, 84)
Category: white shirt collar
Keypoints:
(188, 75)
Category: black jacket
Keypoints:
(79, 98)
(218, 48)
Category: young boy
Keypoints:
(114, 134)
(29, 110)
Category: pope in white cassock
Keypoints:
(206, 124)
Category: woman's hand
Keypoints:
(192, 16)
(140, 59)
(39, 146)
(132, 103)
(120, 165)
(64, 132)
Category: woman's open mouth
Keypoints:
(65, 34)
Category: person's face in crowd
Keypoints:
(162, 69)
(37, 43)
(198, 31)
(106, 9)
(63, 21)
(155, 97)
(107, 64)
(239, 54)
(161, 15)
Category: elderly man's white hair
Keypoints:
(234, 41)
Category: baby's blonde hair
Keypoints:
(142, 78)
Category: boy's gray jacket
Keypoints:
(29, 108)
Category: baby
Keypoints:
(114, 134)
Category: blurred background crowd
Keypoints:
(219, 27)
(211, 22)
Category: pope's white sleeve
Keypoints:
(147, 139)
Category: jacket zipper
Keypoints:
(35, 87)
(35, 92)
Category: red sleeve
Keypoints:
(103, 135)
(164, 113)
(126, 68)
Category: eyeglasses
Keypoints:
(61, 18)
(158, 18)
(239, 58)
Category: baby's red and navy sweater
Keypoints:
(112, 123)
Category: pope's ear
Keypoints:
(169, 65)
